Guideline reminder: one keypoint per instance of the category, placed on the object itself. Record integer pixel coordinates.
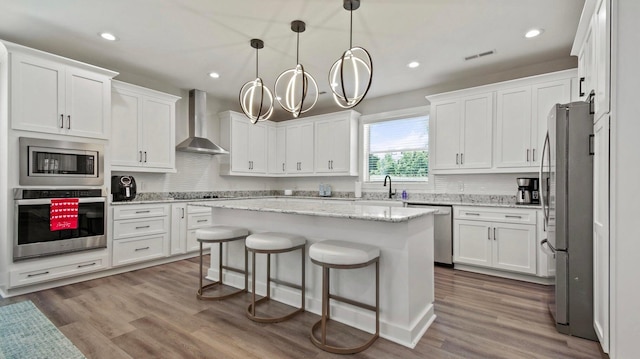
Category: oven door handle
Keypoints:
(48, 200)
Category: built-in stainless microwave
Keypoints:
(60, 163)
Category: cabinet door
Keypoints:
(585, 67)
(445, 119)
(294, 143)
(475, 148)
(126, 109)
(257, 148)
(240, 145)
(324, 145)
(37, 94)
(281, 150)
(544, 98)
(178, 228)
(157, 133)
(513, 147)
(341, 149)
(306, 148)
(602, 74)
(272, 158)
(87, 103)
(601, 231)
(514, 247)
(472, 242)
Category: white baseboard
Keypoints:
(509, 275)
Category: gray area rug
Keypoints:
(27, 333)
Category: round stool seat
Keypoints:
(273, 241)
(343, 253)
(220, 233)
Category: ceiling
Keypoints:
(178, 42)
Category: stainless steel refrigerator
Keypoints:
(566, 176)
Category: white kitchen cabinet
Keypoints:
(197, 217)
(601, 241)
(462, 133)
(521, 121)
(277, 150)
(58, 267)
(140, 233)
(299, 148)
(59, 96)
(592, 45)
(178, 228)
(496, 238)
(246, 142)
(336, 144)
(142, 129)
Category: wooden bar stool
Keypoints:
(220, 235)
(343, 255)
(273, 243)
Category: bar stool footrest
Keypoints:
(260, 319)
(200, 294)
(339, 350)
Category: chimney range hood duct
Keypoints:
(196, 143)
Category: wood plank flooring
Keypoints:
(154, 313)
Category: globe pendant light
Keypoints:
(350, 76)
(292, 86)
(256, 99)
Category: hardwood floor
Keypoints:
(154, 313)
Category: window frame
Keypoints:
(364, 153)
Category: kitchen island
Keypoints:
(405, 239)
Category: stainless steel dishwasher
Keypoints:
(442, 232)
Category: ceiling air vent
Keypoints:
(482, 54)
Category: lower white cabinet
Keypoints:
(140, 233)
(178, 228)
(198, 217)
(497, 238)
(49, 269)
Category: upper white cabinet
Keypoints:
(54, 95)
(142, 129)
(246, 142)
(462, 132)
(336, 144)
(592, 45)
(495, 128)
(277, 150)
(521, 121)
(299, 147)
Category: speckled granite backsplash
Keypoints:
(419, 197)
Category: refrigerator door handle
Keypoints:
(547, 247)
(542, 190)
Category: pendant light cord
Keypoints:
(298, 49)
(351, 28)
(256, 62)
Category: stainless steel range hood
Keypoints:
(196, 142)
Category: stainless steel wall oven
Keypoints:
(34, 234)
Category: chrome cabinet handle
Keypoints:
(282, 166)
(462, 158)
(147, 211)
(182, 212)
(86, 265)
(512, 216)
(61, 121)
(145, 156)
(457, 158)
(68, 122)
(472, 214)
(489, 233)
(202, 220)
(142, 227)
(533, 155)
(37, 274)
(329, 164)
(494, 233)
(141, 249)
(140, 160)
(527, 155)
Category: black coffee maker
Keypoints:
(528, 191)
(123, 188)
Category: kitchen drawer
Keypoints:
(198, 209)
(199, 220)
(53, 271)
(140, 227)
(140, 211)
(496, 214)
(127, 251)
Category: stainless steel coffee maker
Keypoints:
(525, 190)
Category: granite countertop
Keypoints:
(335, 209)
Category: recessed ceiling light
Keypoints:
(108, 36)
(533, 33)
(413, 64)
(214, 75)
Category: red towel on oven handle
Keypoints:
(63, 214)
